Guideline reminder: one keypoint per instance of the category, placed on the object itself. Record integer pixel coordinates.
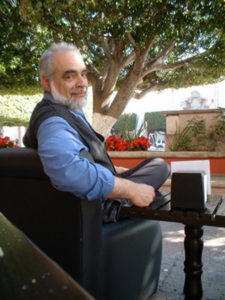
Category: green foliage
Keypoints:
(181, 140)
(195, 137)
(220, 124)
(217, 133)
(22, 90)
(21, 45)
(17, 106)
(131, 47)
(154, 121)
(27, 27)
(15, 110)
(126, 124)
(197, 127)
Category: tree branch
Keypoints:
(128, 59)
(148, 45)
(168, 67)
(92, 69)
(105, 46)
(96, 53)
(151, 87)
(140, 95)
(165, 53)
(75, 34)
(110, 79)
(174, 66)
(113, 68)
(158, 60)
(131, 39)
(105, 70)
(50, 25)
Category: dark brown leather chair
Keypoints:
(112, 261)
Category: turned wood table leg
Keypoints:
(193, 246)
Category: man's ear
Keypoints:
(45, 82)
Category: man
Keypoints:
(71, 152)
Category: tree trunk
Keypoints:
(107, 112)
(19, 136)
(107, 107)
(1, 131)
(103, 123)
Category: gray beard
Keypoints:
(74, 105)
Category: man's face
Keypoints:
(69, 81)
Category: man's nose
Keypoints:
(82, 80)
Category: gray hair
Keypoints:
(45, 62)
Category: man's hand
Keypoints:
(139, 194)
(143, 195)
(120, 170)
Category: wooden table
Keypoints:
(193, 243)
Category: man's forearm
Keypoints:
(138, 193)
(123, 188)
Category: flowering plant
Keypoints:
(5, 142)
(116, 143)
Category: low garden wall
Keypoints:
(177, 121)
(131, 158)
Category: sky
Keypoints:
(171, 99)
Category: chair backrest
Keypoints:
(66, 228)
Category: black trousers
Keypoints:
(152, 171)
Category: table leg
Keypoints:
(193, 246)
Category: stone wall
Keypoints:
(179, 119)
(130, 159)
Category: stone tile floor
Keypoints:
(213, 258)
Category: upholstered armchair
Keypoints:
(111, 261)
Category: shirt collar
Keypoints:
(48, 96)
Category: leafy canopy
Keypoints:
(131, 47)
(187, 36)
(21, 45)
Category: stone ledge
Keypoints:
(190, 111)
(180, 154)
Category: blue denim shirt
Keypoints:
(59, 146)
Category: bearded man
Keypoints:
(72, 153)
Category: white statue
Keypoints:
(195, 101)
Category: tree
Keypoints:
(154, 121)
(21, 46)
(132, 47)
(126, 123)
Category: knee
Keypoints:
(163, 166)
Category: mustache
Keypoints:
(78, 91)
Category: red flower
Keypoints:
(7, 143)
(114, 143)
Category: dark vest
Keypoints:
(94, 141)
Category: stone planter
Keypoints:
(131, 158)
(179, 120)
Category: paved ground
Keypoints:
(213, 258)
